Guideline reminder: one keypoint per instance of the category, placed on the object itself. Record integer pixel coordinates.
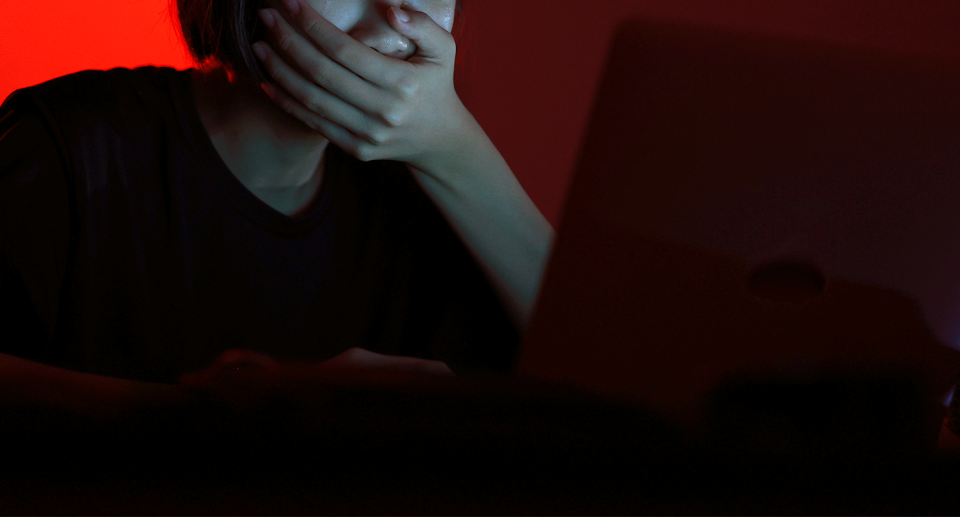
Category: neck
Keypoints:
(265, 147)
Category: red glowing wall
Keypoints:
(530, 70)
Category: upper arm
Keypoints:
(34, 225)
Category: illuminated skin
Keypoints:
(366, 22)
(270, 152)
(352, 72)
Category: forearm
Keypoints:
(24, 382)
(488, 208)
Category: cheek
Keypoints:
(446, 23)
(341, 13)
(440, 11)
(320, 5)
(443, 17)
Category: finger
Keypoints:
(437, 368)
(351, 355)
(365, 359)
(311, 98)
(342, 48)
(412, 364)
(433, 42)
(301, 55)
(351, 143)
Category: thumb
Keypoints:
(433, 42)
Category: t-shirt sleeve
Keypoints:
(34, 226)
(474, 334)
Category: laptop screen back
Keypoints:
(709, 154)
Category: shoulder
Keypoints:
(104, 89)
(93, 99)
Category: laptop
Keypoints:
(746, 205)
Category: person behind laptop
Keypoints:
(314, 191)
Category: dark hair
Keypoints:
(218, 33)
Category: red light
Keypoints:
(66, 36)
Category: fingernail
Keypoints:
(401, 14)
(293, 6)
(258, 50)
(267, 88)
(267, 18)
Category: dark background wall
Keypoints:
(529, 67)
(532, 68)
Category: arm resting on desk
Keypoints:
(24, 382)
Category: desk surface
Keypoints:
(441, 447)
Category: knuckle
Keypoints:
(338, 51)
(377, 137)
(372, 130)
(311, 26)
(407, 86)
(365, 152)
(315, 104)
(392, 117)
(316, 74)
(325, 82)
(285, 42)
(285, 106)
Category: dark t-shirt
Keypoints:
(129, 249)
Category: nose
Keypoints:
(375, 31)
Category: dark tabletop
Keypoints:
(472, 447)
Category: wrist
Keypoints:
(459, 141)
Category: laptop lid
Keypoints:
(716, 161)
